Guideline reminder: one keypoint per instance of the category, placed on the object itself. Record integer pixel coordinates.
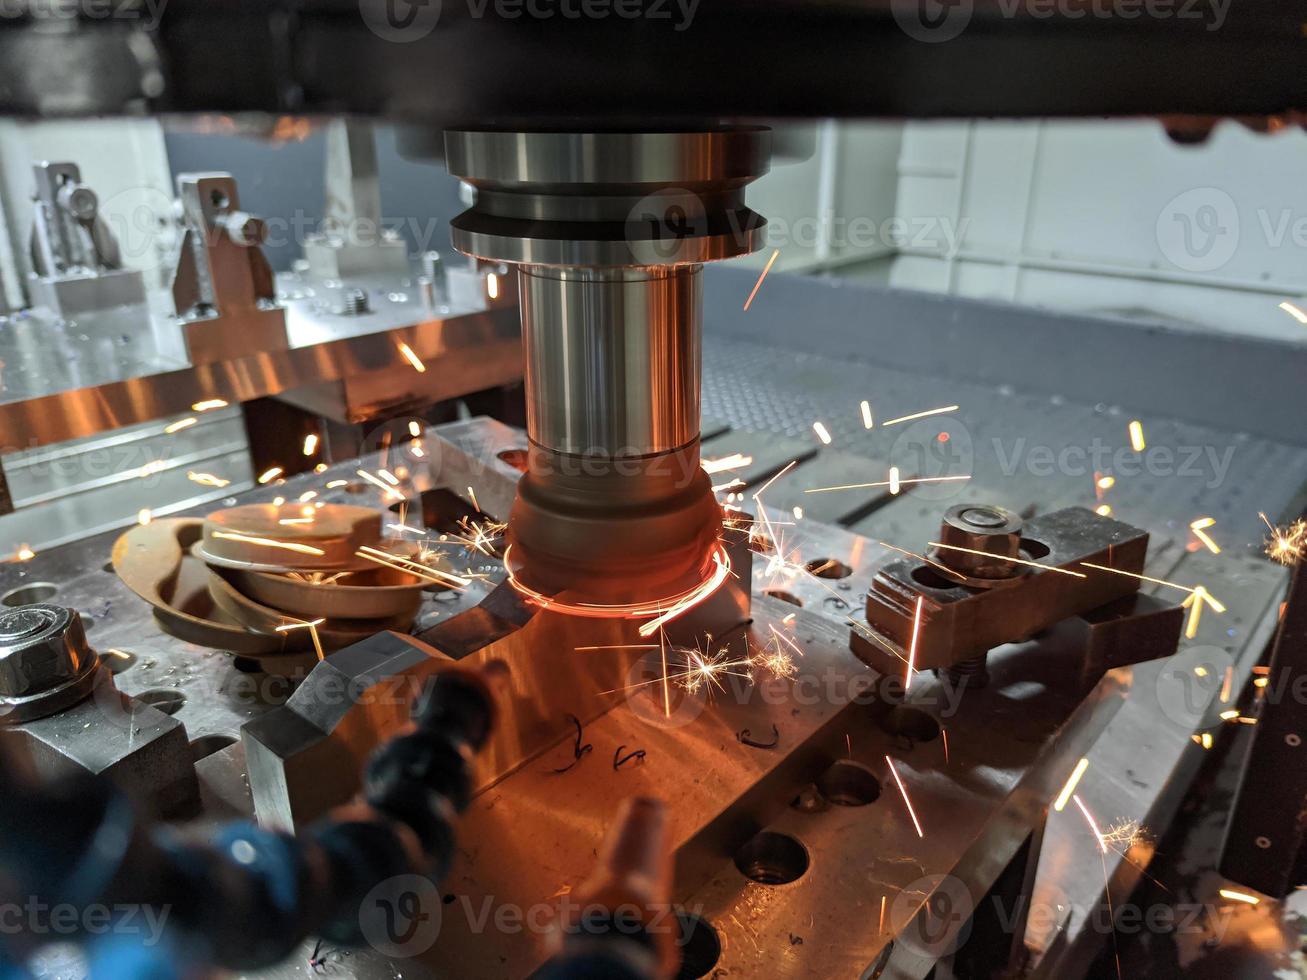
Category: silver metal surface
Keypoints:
(222, 283)
(351, 240)
(45, 663)
(532, 835)
(612, 358)
(604, 199)
(75, 259)
(65, 379)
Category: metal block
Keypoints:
(960, 623)
(307, 756)
(1264, 842)
(222, 284)
(1127, 631)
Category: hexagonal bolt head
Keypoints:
(41, 647)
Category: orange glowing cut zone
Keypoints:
(662, 611)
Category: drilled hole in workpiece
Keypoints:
(770, 858)
(848, 783)
(784, 596)
(166, 700)
(698, 944)
(25, 595)
(926, 576)
(207, 745)
(911, 723)
(1035, 549)
(828, 568)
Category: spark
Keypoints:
(209, 405)
(1199, 527)
(1089, 819)
(1227, 684)
(731, 462)
(307, 495)
(944, 734)
(152, 467)
(1106, 482)
(758, 285)
(1200, 671)
(179, 425)
(320, 468)
(416, 449)
(24, 553)
(310, 444)
(912, 650)
(1103, 510)
(664, 610)
(886, 483)
(867, 420)
(1142, 578)
(1294, 311)
(303, 549)
(312, 626)
(922, 415)
(411, 566)
(1229, 715)
(1137, 436)
(704, 672)
(385, 488)
(904, 791)
(929, 561)
(1286, 544)
(269, 475)
(1195, 602)
(206, 479)
(722, 487)
(1231, 895)
(411, 357)
(822, 433)
(143, 516)
(895, 484)
(335, 484)
(405, 529)
(481, 535)
(1205, 741)
(798, 513)
(786, 640)
(1019, 561)
(882, 915)
(414, 429)
(296, 520)
(1261, 681)
(1072, 782)
(389, 477)
(621, 646)
(492, 285)
(473, 495)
